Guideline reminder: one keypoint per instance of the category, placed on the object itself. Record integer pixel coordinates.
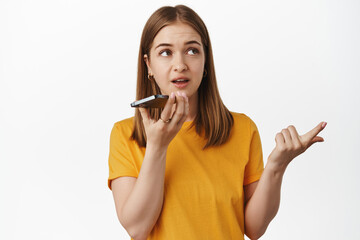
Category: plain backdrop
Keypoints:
(68, 73)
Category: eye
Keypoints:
(193, 51)
(165, 53)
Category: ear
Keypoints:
(146, 59)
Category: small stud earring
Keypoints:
(205, 73)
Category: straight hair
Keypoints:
(213, 120)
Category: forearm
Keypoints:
(143, 206)
(264, 203)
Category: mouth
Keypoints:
(180, 82)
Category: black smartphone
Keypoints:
(154, 101)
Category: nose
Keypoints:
(179, 64)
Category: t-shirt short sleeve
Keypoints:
(120, 159)
(255, 165)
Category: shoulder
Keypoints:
(243, 122)
(128, 122)
(124, 127)
(241, 118)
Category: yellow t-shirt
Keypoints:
(203, 193)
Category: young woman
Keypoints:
(193, 170)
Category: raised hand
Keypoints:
(289, 144)
(160, 133)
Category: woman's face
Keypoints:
(177, 59)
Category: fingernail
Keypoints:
(324, 124)
(172, 95)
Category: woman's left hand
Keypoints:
(289, 144)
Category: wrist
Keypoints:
(156, 147)
(276, 168)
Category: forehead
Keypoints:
(177, 32)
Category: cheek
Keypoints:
(161, 75)
(198, 68)
(160, 68)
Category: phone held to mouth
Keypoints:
(154, 101)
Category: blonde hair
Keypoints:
(213, 120)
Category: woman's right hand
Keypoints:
(160, 133)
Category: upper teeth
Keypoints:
(180, 80)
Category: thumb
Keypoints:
(315, 140)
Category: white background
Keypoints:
(68, 73)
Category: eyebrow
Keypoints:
(170, 45)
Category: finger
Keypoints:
(287, 136)
(294, 136)
(307, 138)
(315, 140)
(166, 112)
(180, 107)
(279, 139)
(144, 114)
(186, 108)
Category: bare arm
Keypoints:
(264, 203)
(263, 198)
(139, 201)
